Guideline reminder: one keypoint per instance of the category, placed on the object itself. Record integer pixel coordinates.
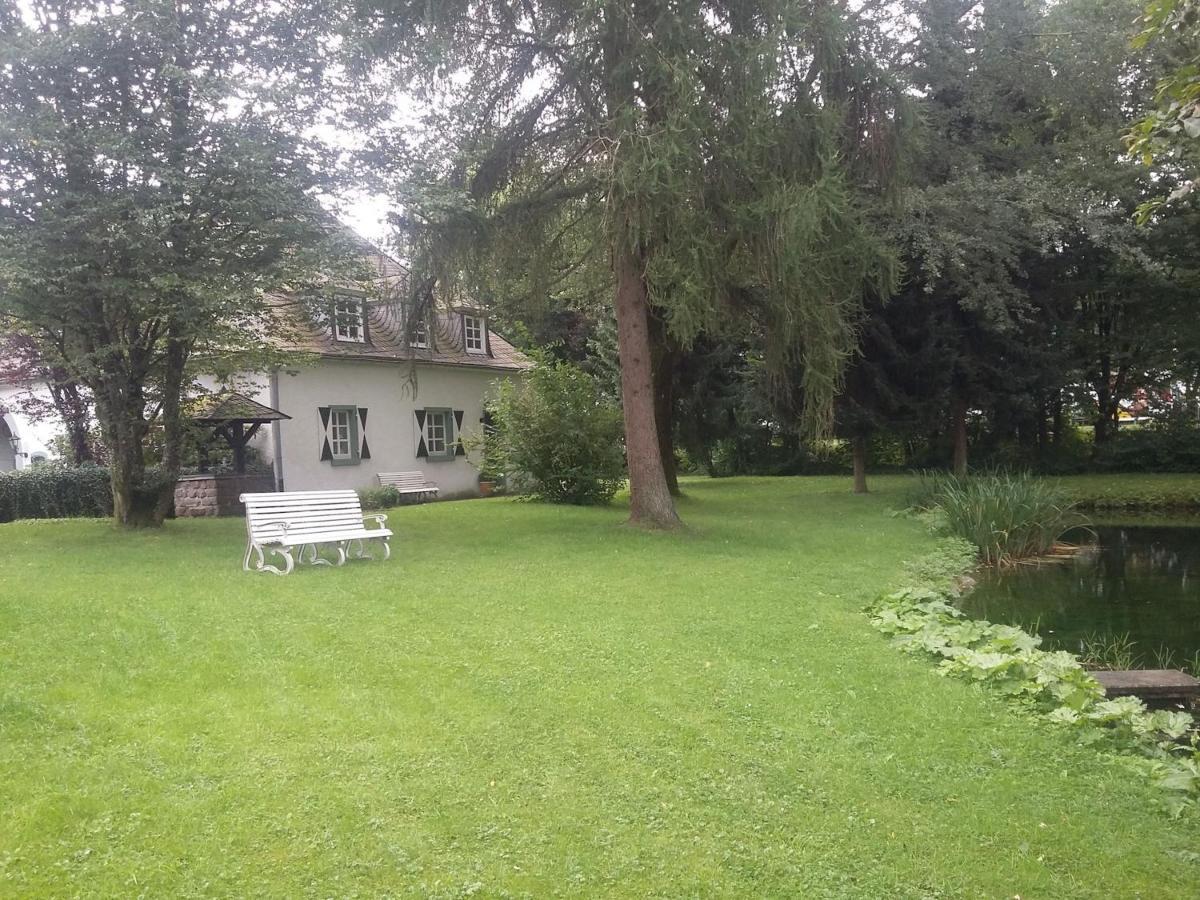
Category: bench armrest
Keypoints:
(378, 518)
(283, 527)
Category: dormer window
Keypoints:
(473, 334)
(348, 322)
(418, 336)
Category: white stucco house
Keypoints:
(373, 396)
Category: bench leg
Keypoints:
(387, 549)
(288, 562)
(316, 560)
(250, 548)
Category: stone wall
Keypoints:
(217, 495)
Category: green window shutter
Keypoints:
(422, 452)
(326, 450)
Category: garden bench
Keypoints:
(281, 522)
(408, 483)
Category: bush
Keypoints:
(380, 497)
(1008, 517)
(1166, 449)
(55, 492)
(557, 437)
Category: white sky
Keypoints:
(367, 215)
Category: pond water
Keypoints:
(1139, 580)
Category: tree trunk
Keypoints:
(859, 449)
(74, 411)
(650, 499)
(665, 358)
(649, 494)
(173, 430)
(959, 431)
(120, 406)
(1103, 413)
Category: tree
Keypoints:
(1169, 135)
(157, 184)
(698, 143)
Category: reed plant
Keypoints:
(1010, 517)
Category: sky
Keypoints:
(367, 215)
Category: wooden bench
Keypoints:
(408, 483)
(281, 522)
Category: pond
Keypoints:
(1134, 582)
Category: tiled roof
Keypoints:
(385, 330)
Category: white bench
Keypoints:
(281, 522)
(408, 483)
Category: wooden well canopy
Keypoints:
(236, 418)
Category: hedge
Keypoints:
(55, 492)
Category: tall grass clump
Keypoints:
(1009, 516)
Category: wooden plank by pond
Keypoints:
(1149, 684)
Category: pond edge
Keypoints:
(919, 616)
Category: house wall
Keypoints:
(34, 438)
(8, 456)
(384, 389)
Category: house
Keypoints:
(366, 395)
(373, 396)
(25, 440)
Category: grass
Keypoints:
(1134, 492)
(530, 701)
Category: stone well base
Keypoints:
(217, 495)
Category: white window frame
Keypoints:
(444, 420)
(478, 325)
(342, 434)
(349, 321)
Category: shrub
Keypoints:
(557, 437)
(1009, 517)
(55, 492)
(380, 497)
(1163, 449)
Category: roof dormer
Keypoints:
(349, 319)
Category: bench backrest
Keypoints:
(307, 514)
(403, 479)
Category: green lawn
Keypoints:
(530, 701)
(1135, 492)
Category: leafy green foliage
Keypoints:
(1170, 134)
(921, 618)
(55, 492)
(1008, 517)
(554, 435)
(160, 179)
(1168, 449)
(380, 497)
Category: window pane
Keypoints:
(348, 325)
(339, 434)
(473, 332)
(438, 432)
